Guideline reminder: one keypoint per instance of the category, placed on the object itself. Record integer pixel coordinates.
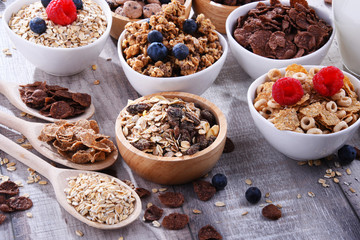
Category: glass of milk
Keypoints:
(347, 22)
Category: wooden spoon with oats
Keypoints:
(32, 130)
(59, 180)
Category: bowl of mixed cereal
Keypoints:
(315, 126)
(60, 50)
(123, 13)
(160, 69)
(171, 137)
(264, 36)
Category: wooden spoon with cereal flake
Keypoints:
(11, 92)
(31, 130)
(58, 178)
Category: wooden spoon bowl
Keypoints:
(174, 170)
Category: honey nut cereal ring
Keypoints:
(274, 74)
(338, 95)
(348, 119)
(299, 130)
(307, 123)
(340, 114)
(259, 88)
(266, 112)
(340, 126)
(313, 71)
(331, 106)
(326, 131)
(314, 131)
(355, 118)
(289, 73)
(300, 76)
(273, 104)
(344, 102)
(259, 104)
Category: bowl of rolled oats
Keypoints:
(171, 137)
(305, 112)
(171, 53)
(59, 44)
(274, 34)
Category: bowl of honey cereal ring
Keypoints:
(171, 137)
(323, 114)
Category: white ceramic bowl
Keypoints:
(195, 83)
(256, 65)
(300, 146)
(57, 61)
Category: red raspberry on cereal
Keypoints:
(62, 12)
(287, 91)
(328, 81)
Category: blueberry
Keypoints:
(219, 181)
(253, 195)
(38, 25)
(165, 1)
(45, 2)
(78, 4)
(157, 51)
(189, 26)
(155, 36)
(346, 154)
(180, 51)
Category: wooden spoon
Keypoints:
(11, 92)
(58, 176)
(31, 131)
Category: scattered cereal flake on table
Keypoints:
(43, 182)
(94, 67)
(348, 171)
(19, 183)
(328, 171)
(317, 162)
(267, 194)
(29, 215)
(162, 189)
(244, 213)
(26, 145)
(6, 160)
(20, 140)
(79, 233)
(149, 205)
(11, 169)
(352, 190)
(336, 180)
(325, 185)
(196, 211)
(310, 163)
(311, 194)
(279, 206)
(301, 163)
(338, 173)
(154, 190)
(220, 204)
(321, 181)
(248, 181)
(327, 175)
(268, 201)
(26, 195)
(156, 223)
(121, 238)
(11, 164)
(96, 82)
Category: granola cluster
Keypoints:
(204, 46)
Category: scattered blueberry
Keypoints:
(45, 2)
(253, 195)
(155, 36)
(165, 1)
(180, 51)
(38, 25)
(189, 26)
(157, 51)
(346, 154)
(219, 181)
(78, 4)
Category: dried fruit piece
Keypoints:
(208, 232)
(328, 81)
(287, 91)
(153, 213)
(9, 187)
(175, 221)
(142, 192)
(20, 203)
(271, 212)
(171, 199)
(204, 190)
(62, 12)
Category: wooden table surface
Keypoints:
(332, 214)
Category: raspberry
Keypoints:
(287, 91)
(328, 81)
(62, 12)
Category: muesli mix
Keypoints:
(168, 127)
(235, 2)
(169, 45)
(282, 32)
(60, 24)
(318, 101)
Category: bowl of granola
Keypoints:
(59, 44)
(123, 13)
(274, 34)
(171, 137)
(171, 53)
(321, 113)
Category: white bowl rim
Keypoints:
(253, 4)
(104, 35)
(262, 79)
(122, 59)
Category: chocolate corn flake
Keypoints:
(153, 213)
(171, 199)
(208, 232)
(175, 221)
(204, 190)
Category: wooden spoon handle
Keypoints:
(15, 123)
(27, 158)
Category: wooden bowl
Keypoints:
(216, 12)
(174, 170)
(119, 21)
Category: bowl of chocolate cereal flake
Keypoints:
(275, 34)
(171, 53)
(60, 37)
(171, 137)
(305, 112)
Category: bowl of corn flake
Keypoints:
(305, 112)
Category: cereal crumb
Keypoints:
(42, 182)
(268, 201)
(22, 114)
(79, 233)
(279, 206)
(162, 189)
(154, 190)
(348, 171)
(336, 180)
(11, 169)
(149, 205)
(244, 213)
(220, 204)
(94, 67)
(311, 194)
(108, 59)
(27, 146)
(352, 190)
(29, 215)
(196, 211)
(301, 163)
(248, 181)
(156, 223)
(96, 82)
(267, 195)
